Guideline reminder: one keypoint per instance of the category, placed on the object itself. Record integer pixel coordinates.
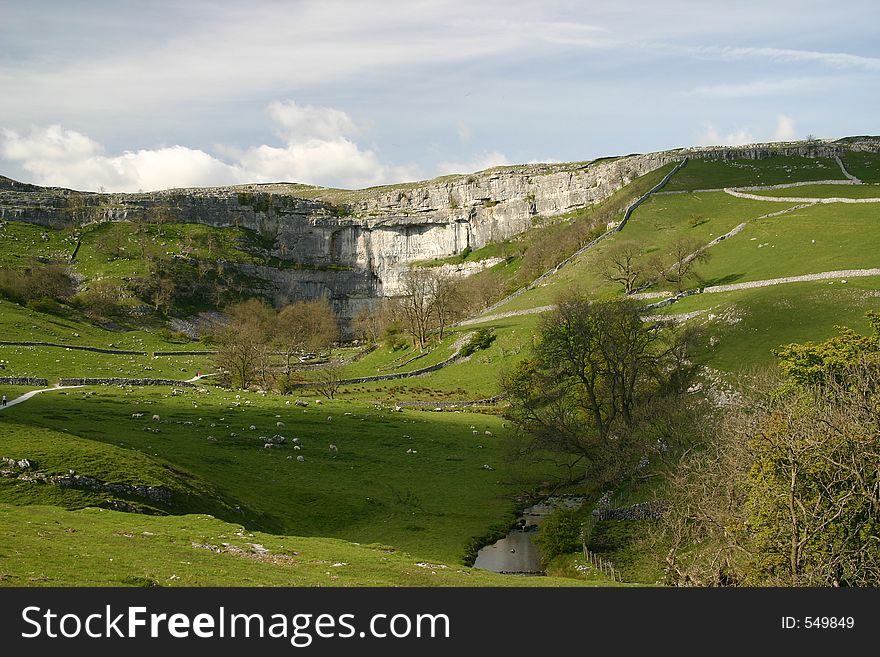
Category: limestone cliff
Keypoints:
(356, 244)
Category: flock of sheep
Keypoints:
(278, 440)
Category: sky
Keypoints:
(129, 95)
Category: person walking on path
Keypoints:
(4, 400)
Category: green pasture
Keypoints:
(775, 170)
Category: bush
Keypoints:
(560, 533)
(38, 282)
(46, 305)
(480, 340)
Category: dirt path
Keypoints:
(33, 393)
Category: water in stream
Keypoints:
(516, 553)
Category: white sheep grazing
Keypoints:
(253, 427)
(156, 418)
(475, 432)
(488, 433)
(297, 447)
(317, 401)
(300, 458)
(279, 424)
(137, 415)
(329, 418)
(334, 449)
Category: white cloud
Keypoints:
(317, 149)
(785, 130)
(832, 59)
(711, 137)
(66, 158)
(757, 88)
(477, 163)
(300, 122)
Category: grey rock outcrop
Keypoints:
(353, 246)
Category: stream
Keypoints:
(516, 553)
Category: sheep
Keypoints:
(253, 427)
(329, 418)
(300, 458)
(334, 449)
(137, 415)
(280, 425)
(297, 447)
(475, 432)
(487, 432)
(156, 418)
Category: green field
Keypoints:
(776, 170)
(747, 325)
(47, 546)
(412, 479)
(863, 165)
(808, 240)
(657, 224)
(824, 191)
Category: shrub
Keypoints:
(480, 340)
(46, 305)
(560, 533)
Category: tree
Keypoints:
(814, 487)
(596, 366)
(304, 326)
(416, 304)
(370, 322)
(686, 253)
(622, 264)
(244, 352)
(786, 489)
(444, 297)
(328, 378)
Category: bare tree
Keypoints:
(623, 264)
(304, 326)
(244, 344)
(444, 296)
(417, 304)
(328, 378)
(686, 254)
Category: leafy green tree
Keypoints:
(560, 533)
(830, 361)
(591, 388)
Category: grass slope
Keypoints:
(775, 170)
(824, 191)
(809, 240)
(412, 479)
(47, 546)
(863, 165)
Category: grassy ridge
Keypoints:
(863, 165)
(47, 546)
(775, 170)
(656, 224)
(824, 191)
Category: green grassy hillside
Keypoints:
(713, 174)
(419, 482)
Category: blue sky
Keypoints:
(147, 95)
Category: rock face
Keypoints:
(354, 246)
